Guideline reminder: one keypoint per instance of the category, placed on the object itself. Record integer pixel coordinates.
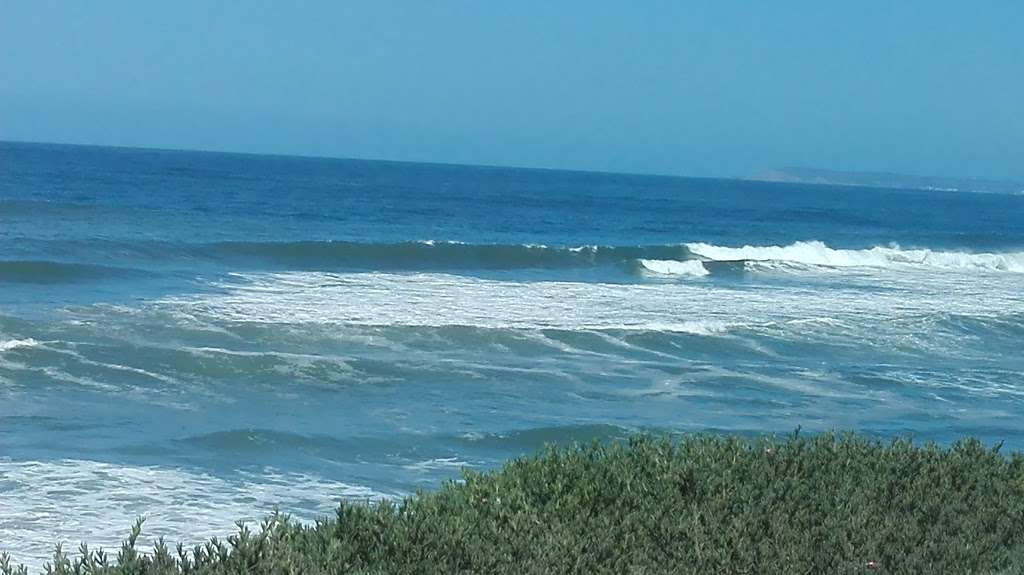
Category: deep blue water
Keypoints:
(231, 332)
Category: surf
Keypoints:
(817, 253)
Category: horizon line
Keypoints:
(381, 160)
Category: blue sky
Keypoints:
(698, 88)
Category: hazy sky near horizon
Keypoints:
(695, 88)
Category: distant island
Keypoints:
(888, 180)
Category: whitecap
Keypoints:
(7, 345)
(675, 268)
(816, 253)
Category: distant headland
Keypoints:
(888, 180)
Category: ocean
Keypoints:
(199, 338)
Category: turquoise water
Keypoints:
(198, 337)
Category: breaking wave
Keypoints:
(816, 253)
(680, 260)
(431, 254)
(675, 267)
(10, 344)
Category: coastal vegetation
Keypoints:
(829, 503)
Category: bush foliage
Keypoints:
(701, 504)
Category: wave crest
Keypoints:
(816, 253)
(675, 267)
(431, 254)
(9, 344)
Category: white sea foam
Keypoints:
(115, 366)
(434, 300)
(7, 345)
(675, 267)
(437, 463)
(886, 306)
(45, 502)
(441, 242)
(816, 253)
(696, 327)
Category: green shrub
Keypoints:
(702, 504)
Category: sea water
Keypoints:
(197, 337)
